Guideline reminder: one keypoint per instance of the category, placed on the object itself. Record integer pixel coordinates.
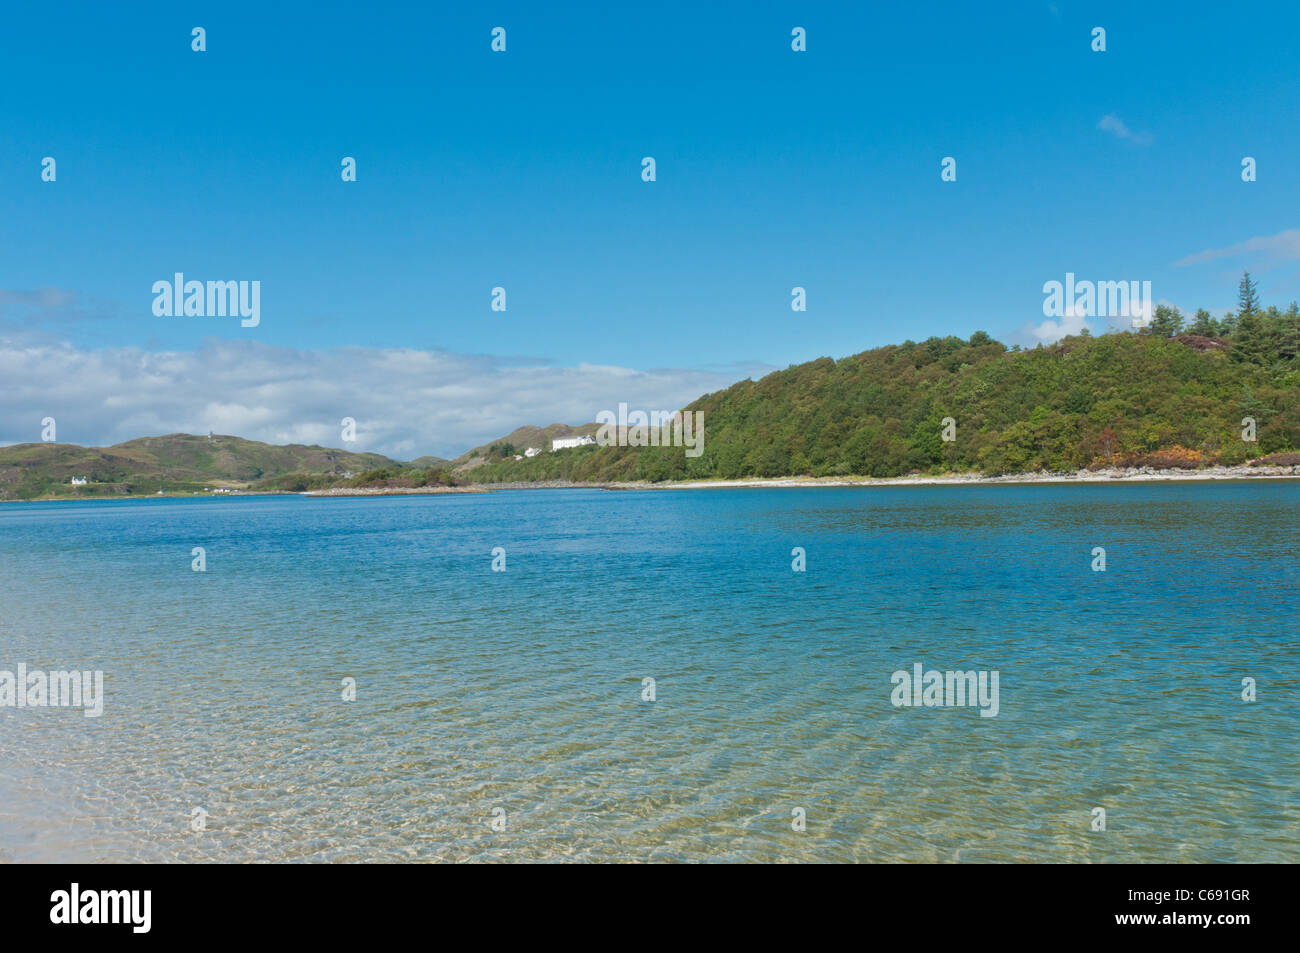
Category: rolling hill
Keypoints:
(175, 462)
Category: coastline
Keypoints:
(246, 494)
(1128, 475)
(1115, 475)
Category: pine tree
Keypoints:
(1289, 345)
(1204, 325)
(1247, 296)
(1250, 340)
(1166, 322)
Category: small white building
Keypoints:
(532, 451)
(563, 443)
(78, 481)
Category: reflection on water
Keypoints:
(522, 690)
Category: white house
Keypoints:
(532, 451)
(78, 481)
(563, 443)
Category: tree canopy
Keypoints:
(1165, 394)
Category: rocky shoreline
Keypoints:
(1111, 475)
(1115, 475)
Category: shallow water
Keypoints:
(522, 690)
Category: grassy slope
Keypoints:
(174, 461)
(521, 439)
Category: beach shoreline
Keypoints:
(1091, 477)
(1130, 475)
(1115, 475)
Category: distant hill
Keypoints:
(175, 462)
(424, 463)
(516, 442)
(1121, 399)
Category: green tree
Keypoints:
(1204, 324)
(1167, 322)
(1250, 340)
(1289, 336)
(1247, 296)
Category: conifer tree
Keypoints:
(1166, 322)
(1204, 324)
(1247, 296)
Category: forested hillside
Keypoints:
(1173, 394)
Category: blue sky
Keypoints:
(477, 169)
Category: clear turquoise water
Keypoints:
(522, 690)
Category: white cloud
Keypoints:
(1282, 245)
(1139, 315)
(1113, 124)
(1052, 330)
(406, 402)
